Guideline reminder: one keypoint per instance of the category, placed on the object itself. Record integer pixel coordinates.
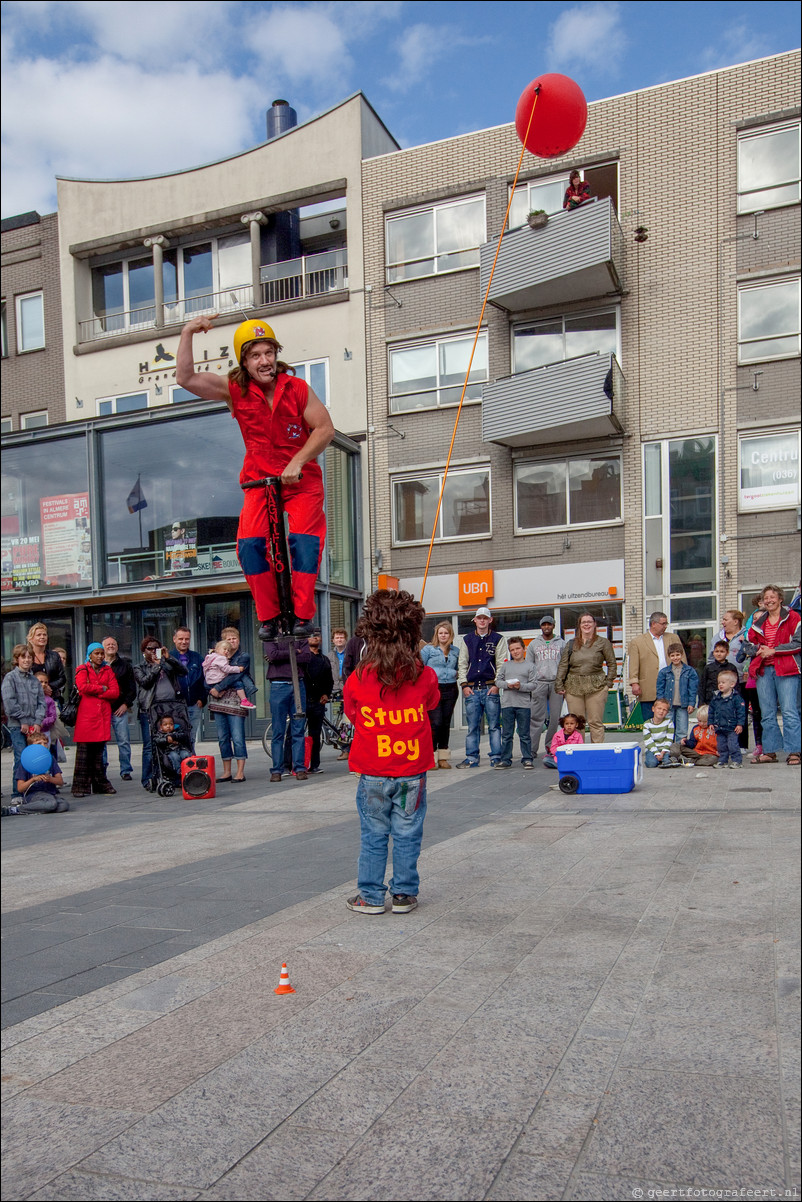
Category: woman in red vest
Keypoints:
(98, 687)
(284, 427)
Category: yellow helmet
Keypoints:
(251, 331)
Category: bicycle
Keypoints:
(338, 734)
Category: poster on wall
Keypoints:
(25, 562)
(769, 470)
(181, 549)
(66, 543)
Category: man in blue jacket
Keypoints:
(191, 686)
(480, 656)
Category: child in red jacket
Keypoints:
(388, 698)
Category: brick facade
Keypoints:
(30, 263)
(676, 149)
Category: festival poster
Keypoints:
(181, 549)
(66, 542)
(25, 562)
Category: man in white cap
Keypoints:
(544, 652)
(480, 656)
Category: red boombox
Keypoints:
(197, 777)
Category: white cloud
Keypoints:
(304, 46)
(110, 120)
(589, 35)
(420, 48)
(738, 44)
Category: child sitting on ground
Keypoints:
(387, 697)
(657, 738)
(39, 791)
(571, 731)
(215, 670)
(727, 713)
(700, 746)
(678, 684)
(173, 742)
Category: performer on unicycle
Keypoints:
(284, 427)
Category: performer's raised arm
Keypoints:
(200, 383)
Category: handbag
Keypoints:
(69, 711)
(227, 703)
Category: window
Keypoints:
(122, 404)
(46, 542)
(426, 374)
(316, 374)
(30, 322)
(768, 321)
(464, 513)
(568, 492)
(768, 168)
(541, 342)
(680, 527)
(769, 471)
(6, 425)
(428, 241)
(33, 420)
(178, 394)
(548, 194)
(195, 279)
(4, 330)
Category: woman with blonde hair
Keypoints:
(581, 676)
(45, 660)
(441, 655)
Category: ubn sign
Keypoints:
(475, 586)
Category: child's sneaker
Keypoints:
(501, 764)
(527, 764)
(403, 903)
(360, 906)
(247, 705)
(734, 765)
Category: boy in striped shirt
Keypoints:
(658, 738)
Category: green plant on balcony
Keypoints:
(537, 218)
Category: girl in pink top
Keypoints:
(571, 728)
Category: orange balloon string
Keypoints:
(475, 341)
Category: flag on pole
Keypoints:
(136, 499)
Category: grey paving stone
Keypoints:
(167, 994)
(44, 1139)
(352, 1100)
(524, 1177)
(285, 1166)
(451, 1157)
(93, 1187)
(665, 1126)
(19, 1009)
(591, 1187)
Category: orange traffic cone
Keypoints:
(284, 982)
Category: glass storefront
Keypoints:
(46, 534)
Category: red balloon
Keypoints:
(560, 116)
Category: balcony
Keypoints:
(577, 256)
(309, 276)
(174, 312)
(558, 402)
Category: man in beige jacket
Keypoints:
(646, 655)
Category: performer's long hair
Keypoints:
(391, 623)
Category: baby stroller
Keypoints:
(163, 778)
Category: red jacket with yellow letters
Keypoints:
(392, 734)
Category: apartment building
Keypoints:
(629, 438)
(121, 516)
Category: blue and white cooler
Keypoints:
(600, 767)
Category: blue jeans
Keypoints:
(147, 752)
(679, 715)
(231, 736)
(176, 758)
(122, 737)
(512, 716)
(282, 706)
(390, 805)
(774, 690)
(195, 714)
(19, 741)
(482, 701)
(728, 747)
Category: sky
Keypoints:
(100, 90)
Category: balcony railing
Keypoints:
(174, 312)
(577, 256)
(575, 398)
(133, 566)
(311, 275)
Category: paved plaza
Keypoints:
(596, 998)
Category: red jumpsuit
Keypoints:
(272, 437)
